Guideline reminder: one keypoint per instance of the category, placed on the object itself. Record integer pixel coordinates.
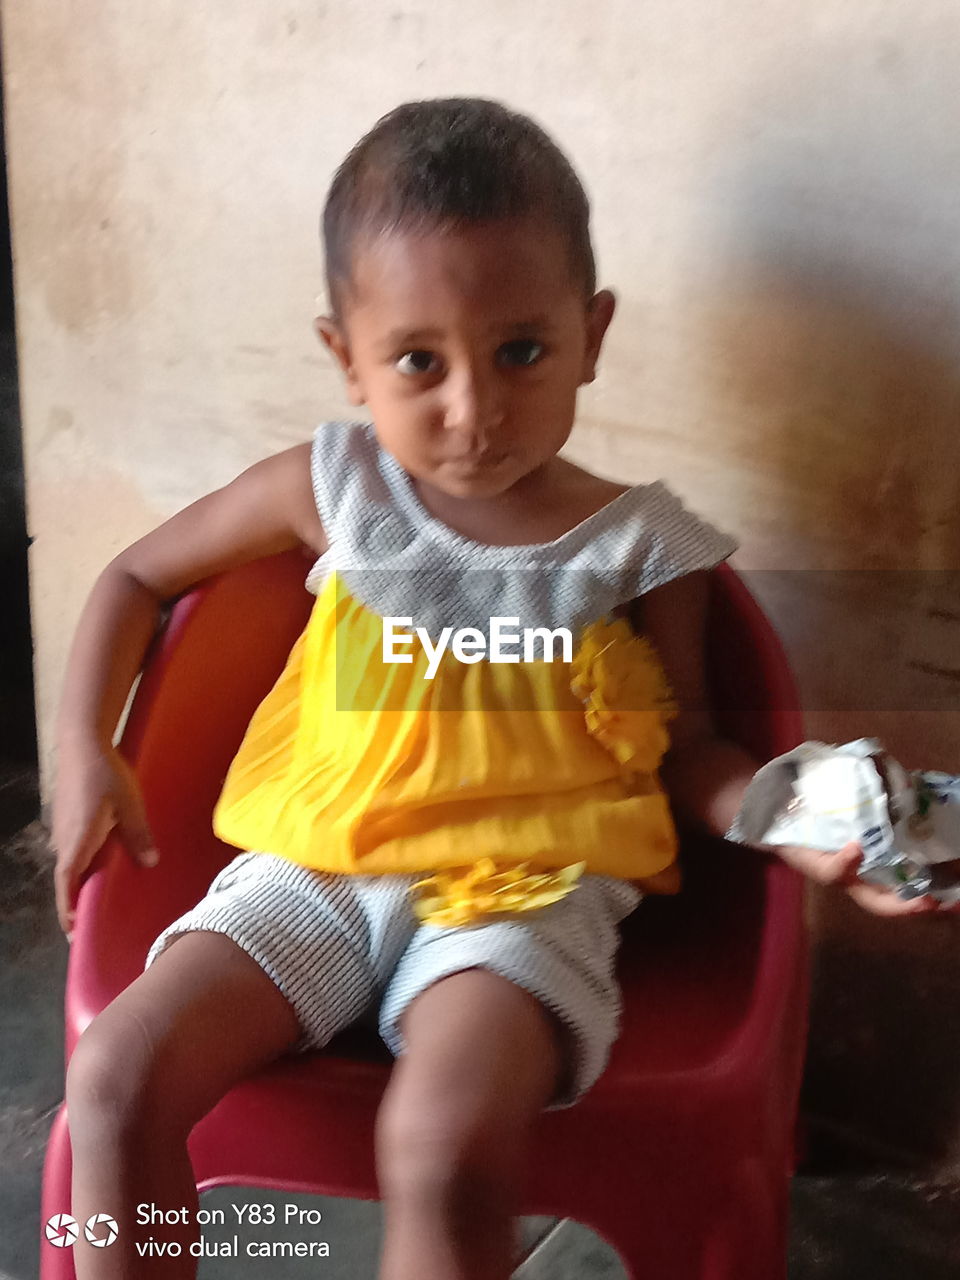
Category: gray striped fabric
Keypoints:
(399, 560)
(341, 947)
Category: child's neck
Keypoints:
(540, 507)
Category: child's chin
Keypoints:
(481, 481)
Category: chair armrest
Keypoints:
(202, 679)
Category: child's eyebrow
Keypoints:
(398, 338)
(406, 338)
(538, 324)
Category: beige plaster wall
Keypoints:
(776, 186)
(776, 193)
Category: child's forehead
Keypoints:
(509, 261)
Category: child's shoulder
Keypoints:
(577, 496)
(561, 499)
(579, 488)
(285, 481)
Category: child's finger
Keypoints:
(885, 902)
(73, 862)
(64, 896)
(67, 878)
(133, 827)
(947, 909)
(847, 863)
(138, 840)
(838, 868)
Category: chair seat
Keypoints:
(688, 1029)
(660, 964)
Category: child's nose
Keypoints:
(474, 406)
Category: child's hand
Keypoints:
(840, 869)
(96, 792)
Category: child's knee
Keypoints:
(108, 1086)
(114, 1086)
(458, 1179)
(435, 1152)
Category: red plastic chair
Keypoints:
(681, 1154)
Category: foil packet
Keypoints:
(822, 797)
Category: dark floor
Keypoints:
(848, 1222)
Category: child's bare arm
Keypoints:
(267, 509)
(706, 775)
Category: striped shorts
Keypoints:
(340, 946)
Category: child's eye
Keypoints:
(414, 362)
(522, 352)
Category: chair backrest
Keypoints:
(223, 646)
(755, 698)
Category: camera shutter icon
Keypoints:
(101, 1230)
(62, 1230)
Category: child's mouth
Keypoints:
(476, 462)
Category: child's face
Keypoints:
(468, 346)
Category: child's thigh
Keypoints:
(556, 969)
(481, 1059)
(202, 1017)
(328, 942)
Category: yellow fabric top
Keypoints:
(506, 780)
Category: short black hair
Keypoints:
(446, 161)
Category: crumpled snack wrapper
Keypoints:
(822, 797)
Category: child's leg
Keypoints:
(481, 1061)
(203, 1016)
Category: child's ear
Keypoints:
(331, 334)
(600, 311)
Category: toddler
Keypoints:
(446, 838)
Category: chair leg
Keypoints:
(734, 1230)
(749, 1239)
(55, 1263)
